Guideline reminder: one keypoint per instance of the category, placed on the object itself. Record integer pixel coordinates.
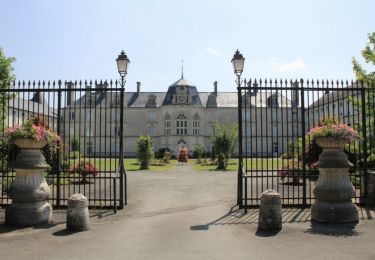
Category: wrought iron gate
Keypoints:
(86, 115)
(275, 151)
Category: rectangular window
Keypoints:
(116, 131)
(213, 116)
(88, 116)
(274, 130)
(152, 131)
(89, 131)
(248, 131)
(72, 116)
(213, 130)
(275, 147)
(274, 116)
(151, 116)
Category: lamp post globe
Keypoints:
(238, 62)
(122, 64)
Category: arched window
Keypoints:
(273, 101)
(181, 124)
(196, 124)
(167, 124)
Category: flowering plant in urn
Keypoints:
(32, 130)
(331, 127)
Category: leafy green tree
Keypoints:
(368, 53)
(75, 144)
(224, 143)
(145, 152)
(198, 152)
(6, 77)
(368, 77)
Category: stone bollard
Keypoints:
(77, 218)
(270, 211)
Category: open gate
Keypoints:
(275, 151)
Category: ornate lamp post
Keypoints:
(238, 62)
(122, 66)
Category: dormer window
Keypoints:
(115, 102)
(212, 101)
(151, 101)
(273, 101)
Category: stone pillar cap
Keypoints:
(78, 200)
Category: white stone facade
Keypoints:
(182, 116)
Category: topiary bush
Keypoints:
(145, 152)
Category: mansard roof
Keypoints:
(182, 85)
(181, 82)
(180, 92)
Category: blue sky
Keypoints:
(80, 39)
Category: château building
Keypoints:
(181, 116)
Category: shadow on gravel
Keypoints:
(65, 232)
(263, 233)
(8, 229)
(233, 217)
(335, 230)
(237, 216)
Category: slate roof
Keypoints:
(334, 96)
(192, 91)
(31, 106)
(140, 100)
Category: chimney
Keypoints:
(215, 87)
(71, 94)
(138, 87)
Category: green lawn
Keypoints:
(253, 163)
(106, 164)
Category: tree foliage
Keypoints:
(198, 152)
(6, 77)
(145, 152)
(224, 143)
(368, 53)
(75, 144)
(368, 77)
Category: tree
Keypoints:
(224, 143)
(368, 53)
(75, 144)
(198, 152)
(6, 77)
(145, 152)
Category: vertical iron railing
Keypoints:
(293, 174)
(48, 101)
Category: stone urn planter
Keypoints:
(334, 190)
(29, 191)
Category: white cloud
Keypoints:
(212, 51)
(295, 65)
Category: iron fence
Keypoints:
(274, 118)
(86, 115)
